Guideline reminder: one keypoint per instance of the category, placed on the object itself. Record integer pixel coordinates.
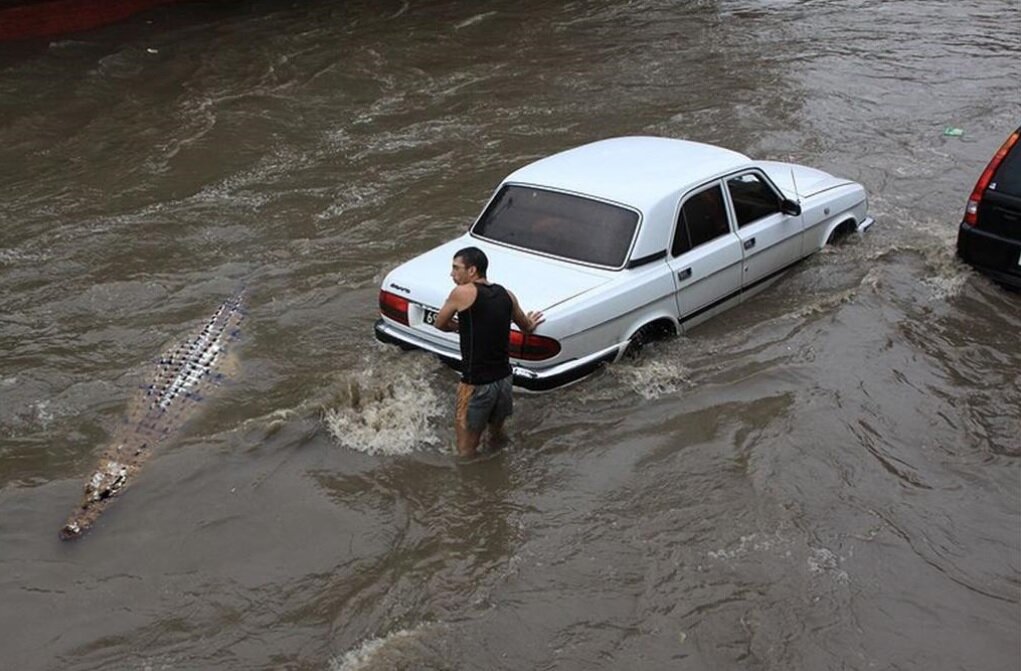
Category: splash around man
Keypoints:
(484, 312)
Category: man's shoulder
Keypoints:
(463, 295)
(507, 292)
(501, 292)
(464, 290)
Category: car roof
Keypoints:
(636, 171)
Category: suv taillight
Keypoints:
(971, 210)
(393, 306)
(531, 347)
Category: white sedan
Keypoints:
(622, 241)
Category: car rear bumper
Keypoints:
(527, 378)
(993, 255)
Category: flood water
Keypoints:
(828, 477)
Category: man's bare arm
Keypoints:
(461, 298)
(526, 322)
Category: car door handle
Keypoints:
(684, 274)
(749, 243)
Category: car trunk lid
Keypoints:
(539, 283)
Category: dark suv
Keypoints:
(990, 234)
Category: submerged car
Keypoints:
(989, 237)
(623, 241)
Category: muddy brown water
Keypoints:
(826, 478)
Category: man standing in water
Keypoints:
(484, 313)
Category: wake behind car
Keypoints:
(622, 241)
(989, 237)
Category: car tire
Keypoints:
(643, 336)
(842, 233)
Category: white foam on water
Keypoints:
(387, 413)
(652, 377)
(44, 413)
(472, 20)
(935, 241)
(161, 663)
(353, 197)
(827, 303)
(822, 560)
(274, 417)
(752, 543)
(942, 288)
(380, 653)
(12, 256)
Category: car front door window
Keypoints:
(753, 199)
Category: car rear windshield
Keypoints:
(572, 227)
(1008, 175)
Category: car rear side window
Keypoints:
(753, 199)
(1008, 176)
(572, 227)
(703, 218)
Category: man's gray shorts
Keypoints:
(481, 404)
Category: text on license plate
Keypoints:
(428, 316)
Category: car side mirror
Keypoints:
(791, 207)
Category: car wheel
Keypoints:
(643, 336)
(842, 233)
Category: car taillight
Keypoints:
(971, 210)
(531, 347)
(393, 306)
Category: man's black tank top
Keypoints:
(484, 330)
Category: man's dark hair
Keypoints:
(474, 257)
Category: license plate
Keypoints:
(428, 316)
